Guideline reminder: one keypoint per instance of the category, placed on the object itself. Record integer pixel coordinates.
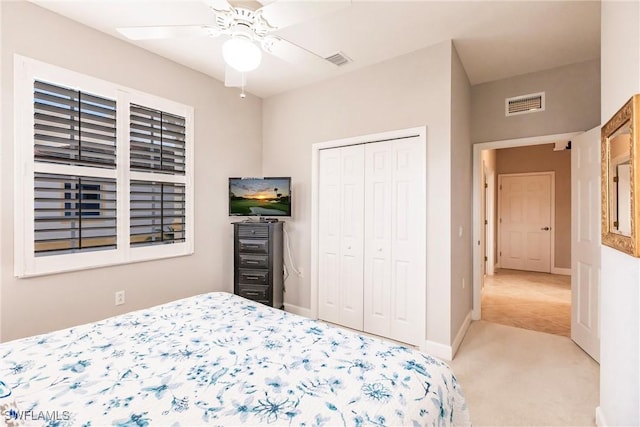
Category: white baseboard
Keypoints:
(438, 350)
(460, 335)
(300, 311)
(600, 420)
(446, 352)
(563, 271)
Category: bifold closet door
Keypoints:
(340, 236)
(395, 245)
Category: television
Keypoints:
(267, 196)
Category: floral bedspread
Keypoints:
(219, 359)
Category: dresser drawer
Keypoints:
(253, 231)
(253, 277)
(259, 294)
(254, 245)
(253, 261)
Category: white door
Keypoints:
(394, 255)
(340, 235)
(585, 241)
(525, 221)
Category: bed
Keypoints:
(219, 359)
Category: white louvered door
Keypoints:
(340, 232)
(394, 254)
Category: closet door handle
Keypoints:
(545, 229)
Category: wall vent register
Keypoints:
(524, 104)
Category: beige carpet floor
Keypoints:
(518, 377)
(536, 301)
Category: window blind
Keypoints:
(73, 213)
(157, 141)
(157, 213)
(74, 157)
(73, 127)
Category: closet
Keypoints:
(371, 239)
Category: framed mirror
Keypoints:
(620, 209)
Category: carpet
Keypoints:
(517, 377)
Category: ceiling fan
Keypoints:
(249, 27)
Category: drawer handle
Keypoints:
(252, 277)
(249, 261)
(253, 294)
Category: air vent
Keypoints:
(339, 59)
(524, 104)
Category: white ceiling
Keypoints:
(494, 39)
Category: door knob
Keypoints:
(545, 229)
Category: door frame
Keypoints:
(552, 214)
(477, 189)
(489, 215)
(421, 133)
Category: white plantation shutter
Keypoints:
(157, 213)
(157, 141)
(157, 150)
(74, 213)
(103, 173)
(72, 127)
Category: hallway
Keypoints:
(529, 300)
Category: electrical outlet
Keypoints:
(120, 298)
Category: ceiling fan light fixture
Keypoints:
(241, 54)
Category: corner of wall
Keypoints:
(448, 352)
(600, 419)
(300, 311)
(457, 341)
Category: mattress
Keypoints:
(219, 359)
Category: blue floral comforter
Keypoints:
(222, 360)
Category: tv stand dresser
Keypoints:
(258, 272)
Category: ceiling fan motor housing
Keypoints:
(243, 22)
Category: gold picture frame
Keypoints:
(620, 137)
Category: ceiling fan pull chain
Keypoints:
(242, 94)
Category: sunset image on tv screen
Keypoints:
(264, 197)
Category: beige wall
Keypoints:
(542, 158)
(227, 142)
(461, 196)
(408, 91)
(572, 103)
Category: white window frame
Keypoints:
(26, 264)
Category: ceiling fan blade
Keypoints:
(234, 78)
(218, 4)
(169, 31)
(284, 13)
(295, 54)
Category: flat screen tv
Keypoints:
(268, 196)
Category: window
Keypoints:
(64, 223)
(82, 191)
(103, 173)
